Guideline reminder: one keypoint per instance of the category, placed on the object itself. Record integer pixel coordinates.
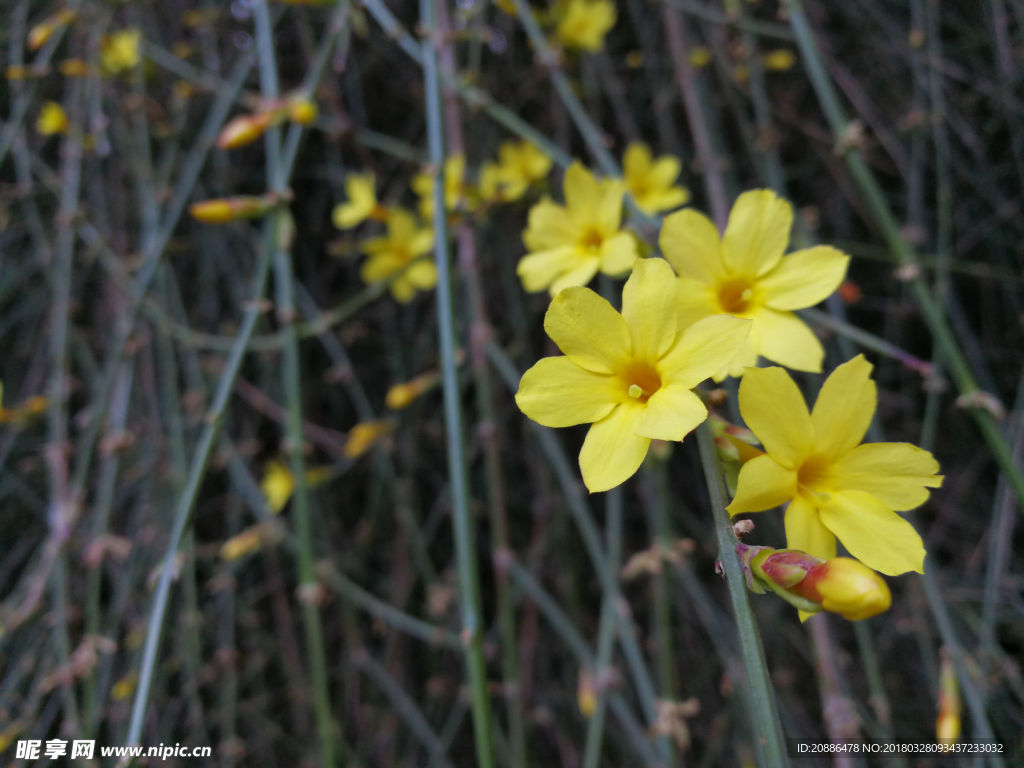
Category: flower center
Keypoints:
(591, 239)
(813, 477)
(641, 381)
(736, 296)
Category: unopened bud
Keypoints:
(221, 210)
(302, 111)
(243, 130)
(43, 31)
(841, 584)
(947, 724)
(364, 436)
(401, 395)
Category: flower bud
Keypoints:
(947, 725)
(243, 130)
(401, 395)
(302, 111)
(221, 210)
(364, 436)
(841, 585)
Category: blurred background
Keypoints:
(226, 501)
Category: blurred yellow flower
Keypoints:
(778, 60)
(519, 165)
(651, 182)
(454, 186)
(278, 483)
(395, 255)
(361, 204)
(584, 23)
(700, 56)
(628, 374)
(52, 119)
(746, 275)
(277, 486)
(836, 487)
(120, 50)
(364, 435)
(568, 244)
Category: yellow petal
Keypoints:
(582, 193)
(762, 484)
(422, 274)
(648, 306)
(805, 531)
(540, 269)
(690, 242)
(757, 233)
(664, 171)
(703, 349)
(804, 278)
(379, 267)
(636, 160)
(662, 200)
(785, 339)
(671, 414)
(618, 253)
(402, 289)
(844, 408)
(613, 451)
(897, 474)
(588, 330)
(549, 226)
(695, 300)
(556, 392)
(608, 214)
(873, 533)
(775, 410)
(581, 273)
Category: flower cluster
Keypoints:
(711, 308)
(400, 256)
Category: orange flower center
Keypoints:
(813, 475)
(736, 296)
(591, 239)
(641, 381)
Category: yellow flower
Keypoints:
(584, 24)
(650, 182)
(120, 51)
(568, 244)
(362, 202)
(835, 486)
(277, 486)
(745, 274)
(454, 186)
(628, 374)
(778, 60)
(395, 255)
(700, 57)
(519, 165)
(52, 119)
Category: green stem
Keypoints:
(462, 518)
(767, 729)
